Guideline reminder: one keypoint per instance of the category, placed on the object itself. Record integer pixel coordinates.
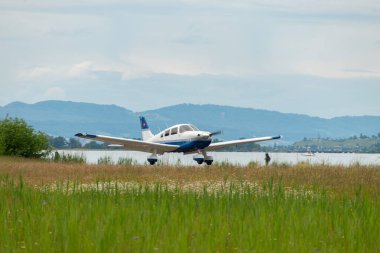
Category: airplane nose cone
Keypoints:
(204, 135)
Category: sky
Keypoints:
(315, 57)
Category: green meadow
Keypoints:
(170, 209)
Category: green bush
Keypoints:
(2, 144)
(19, 139)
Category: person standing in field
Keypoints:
(267, 159)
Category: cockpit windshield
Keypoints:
(194, 128)
(185, 128)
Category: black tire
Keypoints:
(209, 162)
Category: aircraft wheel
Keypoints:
(209, 162)
(152, 159)
(199, 159)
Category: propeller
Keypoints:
(215, 133)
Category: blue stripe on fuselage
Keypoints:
(186, 146)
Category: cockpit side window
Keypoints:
(167, 132)
(174, 130)
(185, 128)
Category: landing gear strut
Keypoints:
(208, 159)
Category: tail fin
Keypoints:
(145, 132)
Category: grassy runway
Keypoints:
(57, 207)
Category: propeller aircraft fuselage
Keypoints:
(183, 138)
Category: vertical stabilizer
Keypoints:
(145, 131)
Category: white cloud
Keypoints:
(51, 49)
(312, 5)
(34, 24)
(36, 73)
(54, 93)
(368, 6)
(84, 69)
(79, 69)
(226, 43)
(327, 49)
(153, 64)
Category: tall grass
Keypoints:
(279, 208)
(336, 179)
(67, 158)
(126, 161)
(105, 160)
(162, 219)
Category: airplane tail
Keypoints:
(145, 131)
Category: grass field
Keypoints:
(63, 207)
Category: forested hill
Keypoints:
(63, 118)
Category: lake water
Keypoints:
(241, 158)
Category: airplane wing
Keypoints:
(130, 144)
(220, 145)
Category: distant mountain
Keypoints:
(67, 118)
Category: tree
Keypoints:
(19, 139)
(95, 145)
(2, 144)
(74, 143)
(58, 142)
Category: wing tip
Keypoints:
(85, 135)
(277, 137)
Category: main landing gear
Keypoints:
(202, 157)
(152, 159)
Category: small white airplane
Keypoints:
(182, 138)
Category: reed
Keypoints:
(336, 180)
(67, 158)
(126, 161)
(105, 160)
